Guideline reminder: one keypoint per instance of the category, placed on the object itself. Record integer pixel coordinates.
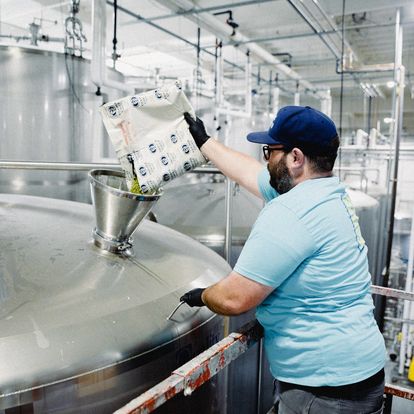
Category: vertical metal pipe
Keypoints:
(398, 101)
(197, 74)
(369, 116)
(248, 101)
(114, 39)
(228, 235)
(407, 303)
(269, 102)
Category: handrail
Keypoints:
(79, 166)
(204, 366)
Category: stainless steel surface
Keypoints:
(377, 246)
(368, 211)
(118, 212)
(195, 205)
(228, 225)
(82, 329)
(49, 112)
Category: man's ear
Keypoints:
(298, 157)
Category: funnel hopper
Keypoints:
(118, 212)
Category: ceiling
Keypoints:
(296, 44)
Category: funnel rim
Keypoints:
(120, 193)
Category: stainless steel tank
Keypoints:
(49, 112)
(195, 205)
(367, 209)
(84, 330)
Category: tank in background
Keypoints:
(371, 208)
(194, 204)
(49, 112)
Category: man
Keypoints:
(304, 267)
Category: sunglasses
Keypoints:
(267, 151)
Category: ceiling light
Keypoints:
(388, 120)
(390, 84)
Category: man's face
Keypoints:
(280, 177)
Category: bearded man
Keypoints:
(304, 266)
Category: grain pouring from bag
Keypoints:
(151, 137)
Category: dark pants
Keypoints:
(364, 397)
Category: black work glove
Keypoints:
(193, 297)
(197, 129)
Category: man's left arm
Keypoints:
(233, 295)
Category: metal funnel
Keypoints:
(118, 212)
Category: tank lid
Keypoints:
(118, 212)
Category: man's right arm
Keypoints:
(237, 166)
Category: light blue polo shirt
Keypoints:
(319, 323)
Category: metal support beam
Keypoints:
(398, 101)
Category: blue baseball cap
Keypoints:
(299, 126)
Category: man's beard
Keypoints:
(280, 178)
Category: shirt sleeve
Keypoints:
(277, 245)
(267, 191)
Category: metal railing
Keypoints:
(79, 166)
(203, 367)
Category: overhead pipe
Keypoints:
(40, 38)
(338, 54)
(221, 106)
(334, 51)
(140, 18)
(322, 33)
(333, 27)
(208, 9)
(381, 67)
(98, 63)
(223, 31)
(340, 66)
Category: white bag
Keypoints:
(151, 137)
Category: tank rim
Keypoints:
(120, 193)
